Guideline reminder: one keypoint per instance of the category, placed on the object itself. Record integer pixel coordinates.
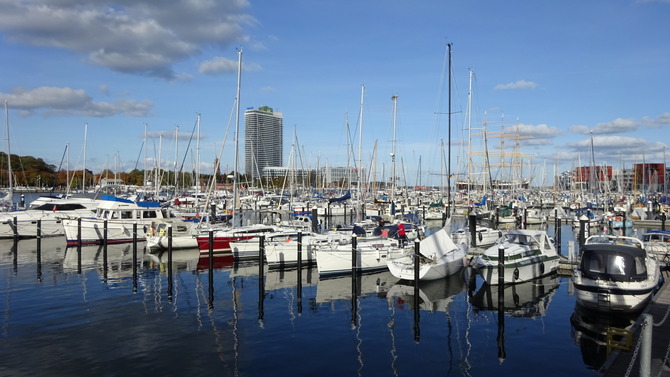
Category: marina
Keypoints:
(119, 309)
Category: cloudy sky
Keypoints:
(564, 76)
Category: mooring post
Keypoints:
(104, 249)
(210, 268)
(135, 257)
(353, 254)
(501, 266)
(582, 232)
(472, 226)
(15, 228)
(417, 267)
(261, 278)
(663, 217)
(79, 245)
(645, 346)
(39, 237)
(169, 262)
(299, 272)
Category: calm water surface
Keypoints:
(69, 316)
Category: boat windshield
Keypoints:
(613, 266)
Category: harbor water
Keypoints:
(89, 312)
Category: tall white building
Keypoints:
(263, 140)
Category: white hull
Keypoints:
(92, 231)
(518, 273)
(403, 268)
(371, 255)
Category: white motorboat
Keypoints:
(615, 274)
(183, 234)
(657, 243)
(527, 255)
(280, 253)
(439, 257)
(120, 215)
(23, 224)
(371, 254)
(486, 236)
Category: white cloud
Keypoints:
(137, 37)
(521, 84)
(68, 101)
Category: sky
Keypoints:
(580, 82)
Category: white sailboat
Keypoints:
(6, 200)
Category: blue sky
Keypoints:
(558, 72)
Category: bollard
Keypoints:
(15, 228)
(582, 229)
(300, 272)
(39, 250)
(353, 255)
(211, 268)
(169, 263)
(417, 267)
(525, 218)
(501, 266)
(134, 257)
(663, 218)
(472, 226)
(39, 237)
(315, 220)
(104, 249)
(645, 344)
(261, 282)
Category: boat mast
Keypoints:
(360, 152)
(393, 177)
(197, 159)
(9, 156)
(449, 138)
(83, 176)
(236, 193)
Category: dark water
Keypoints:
(69, 316)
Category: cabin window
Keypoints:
(149, 214)
(616, 265)
(596, 265)
(126, 214)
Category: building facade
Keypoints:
(263, 140)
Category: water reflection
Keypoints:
(589, 330)
(529, 299)
(434, 295)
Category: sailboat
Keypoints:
(438, 255)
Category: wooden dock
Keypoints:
(619, 362)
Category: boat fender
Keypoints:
(480, 236)
(144, 228)
(161, 232)
(516, 274)
(499, 234)
(542, 268)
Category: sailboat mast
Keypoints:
(197, 159)
(360, 149)
(449, 139)
(393, 174)
(236, 193)
(83, 177)
(9, 153)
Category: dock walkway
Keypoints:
(619, 362)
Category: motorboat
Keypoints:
(49, 214)
(657, 243)
(486, 236)
(438, 255)
(120, 216)
(615, 274)
(183, 234)
(527, 255)
(370, 253)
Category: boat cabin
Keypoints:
(613, 262)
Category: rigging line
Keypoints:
(195, 125)
(57, 170)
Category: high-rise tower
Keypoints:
(263, 140)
